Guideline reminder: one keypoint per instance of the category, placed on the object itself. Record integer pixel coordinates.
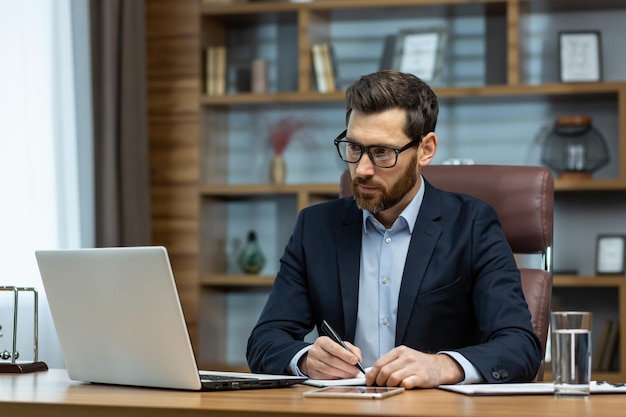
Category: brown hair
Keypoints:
(389, 89)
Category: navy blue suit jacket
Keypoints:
(460, 288)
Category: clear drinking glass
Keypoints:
(571, 352)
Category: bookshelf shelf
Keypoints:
(491, 91)
(226, 281)
(618, 281)
(565, 281)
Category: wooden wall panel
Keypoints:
(173, 68)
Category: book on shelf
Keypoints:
(215, 70)
(596, 363)
(388, 55)
(610, 347)
(323, 67)
(319, 68)
(330, 67)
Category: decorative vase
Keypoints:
(574, 148)
(251, 259)
(278, 170)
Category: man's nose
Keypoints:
(365, 167)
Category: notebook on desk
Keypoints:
(119, 321)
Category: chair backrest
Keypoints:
(523, 198)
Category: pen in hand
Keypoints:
(330, 332)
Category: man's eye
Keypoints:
(381, 152)
(354, 148)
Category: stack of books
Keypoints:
(215, 70)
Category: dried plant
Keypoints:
(282, 133)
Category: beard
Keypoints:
(377, 202)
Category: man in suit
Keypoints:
(421, 283)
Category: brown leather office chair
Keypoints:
(523, 197)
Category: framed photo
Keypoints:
(580, 56)
(610, 254)
(420, 52)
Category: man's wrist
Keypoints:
(294, 364)
(471, 375)
(453, 372)
(302, 366)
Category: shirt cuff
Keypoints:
(472, 375)
(293, 364)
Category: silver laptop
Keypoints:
(119, 321)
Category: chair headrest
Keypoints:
(523, 197)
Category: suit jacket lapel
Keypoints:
(423, 240)
(349, 261)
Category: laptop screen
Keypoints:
(119, 321)
(118, 316)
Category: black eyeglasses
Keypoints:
(381, 156)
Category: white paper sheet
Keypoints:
(359, 380)
(526, 389)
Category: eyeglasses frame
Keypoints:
(367, 149)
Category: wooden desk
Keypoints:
(52, 394)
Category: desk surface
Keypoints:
(52, 394)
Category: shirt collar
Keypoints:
(409, 214)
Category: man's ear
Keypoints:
(427, 149)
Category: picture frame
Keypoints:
(420, 52)
(610, 254)
(580, 56)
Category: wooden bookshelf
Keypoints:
(190, 132)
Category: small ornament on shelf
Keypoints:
(573, 148)
(280, 135)
(232, 249)
(251, 259)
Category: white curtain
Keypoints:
(45, 171)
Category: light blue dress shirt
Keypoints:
(383, 255)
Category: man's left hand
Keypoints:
(409, 368)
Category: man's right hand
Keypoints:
(328, 360)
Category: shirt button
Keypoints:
(387, 240)
(385, 321)
(385, 280)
